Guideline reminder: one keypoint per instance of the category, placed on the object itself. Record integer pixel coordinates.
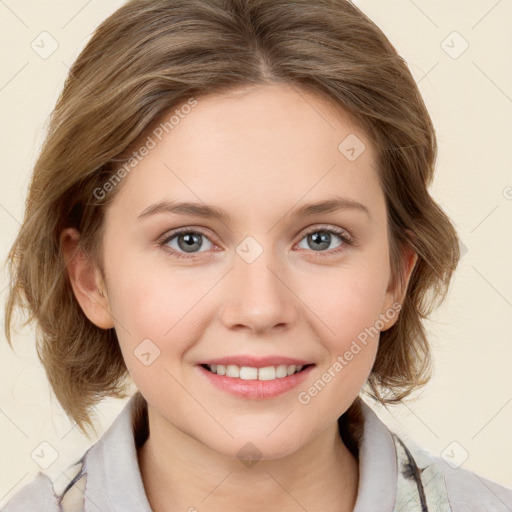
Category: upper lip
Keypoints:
(256, 361)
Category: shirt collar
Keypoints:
(114, 481)
(377, 465)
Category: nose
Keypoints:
(258, 297)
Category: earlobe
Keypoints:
(410, 257)
(86, 281)
(411, 260)
(397, 295)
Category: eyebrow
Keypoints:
(207, 211)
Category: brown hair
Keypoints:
(153, 55)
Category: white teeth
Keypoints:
(251, 373)
(248, 373)
(232, 370)
(267, 373)
(281, 371)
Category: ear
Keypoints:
(396, 294)
(86, 280)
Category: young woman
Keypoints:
(231, 211)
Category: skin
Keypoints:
(259, 153)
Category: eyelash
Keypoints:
(340, 233)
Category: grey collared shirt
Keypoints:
(394, 476)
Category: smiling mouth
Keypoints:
(253, 373)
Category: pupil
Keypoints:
(189, 240)
(321, 237)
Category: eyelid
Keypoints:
(327, 227)
(168, 235)
(346, 238)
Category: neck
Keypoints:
(180, 473)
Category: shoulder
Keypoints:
(469, 491)
(43, 494)
(107, 471)
(448, 486)
(37, 495)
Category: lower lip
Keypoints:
(256, 389)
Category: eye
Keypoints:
(186, 240)
(320, 239)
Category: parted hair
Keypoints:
(151, 56)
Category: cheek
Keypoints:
(346, 302)
(149, 302)
(144, 304)
(346, 306)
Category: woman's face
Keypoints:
(252, 283)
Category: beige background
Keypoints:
(466, 411)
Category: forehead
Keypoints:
(254, 148)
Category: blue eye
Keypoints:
(188, 240)
(322, 238)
